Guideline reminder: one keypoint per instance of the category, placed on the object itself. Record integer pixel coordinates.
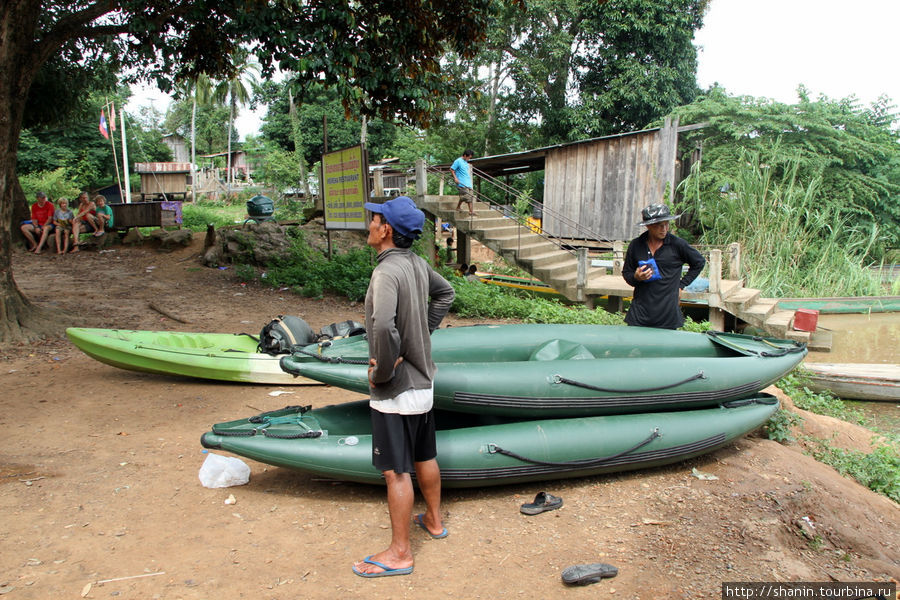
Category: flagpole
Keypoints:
(125, 160)
(112, 142)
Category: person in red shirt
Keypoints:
(40, 225)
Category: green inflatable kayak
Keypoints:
(572, 370)
(478, 450)
(219, 356)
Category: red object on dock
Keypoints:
(806, 319)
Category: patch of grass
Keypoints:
(878, 470)
(794, 384)
(778, 427)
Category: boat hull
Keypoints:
(856, 381)
(216, 356)
(477, 450)
(573, 370)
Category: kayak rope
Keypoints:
(561, 379)
(266, 419)
(495, 449)
(329, 359)
(781, 350)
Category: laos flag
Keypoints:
(103, 130)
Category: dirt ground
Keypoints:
(100, 495)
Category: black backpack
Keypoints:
(282, 333)
(341, 330)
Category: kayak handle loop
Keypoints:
(561, 379)
(591, 462)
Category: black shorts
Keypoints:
(399, 441)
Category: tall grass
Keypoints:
(793, 241)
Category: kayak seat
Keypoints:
(182, 341)
(561, 350)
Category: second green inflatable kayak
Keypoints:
(477, 450)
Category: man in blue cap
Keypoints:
(652, 265)
(405, 302)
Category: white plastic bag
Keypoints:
(223, 471)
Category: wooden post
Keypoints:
(715, 274)
(581, 277)
(716, 314)
(717, 318)
(421, 182)
(379, 182)
(618, 257)
(463, 247)
(441, 186)
(734, 260)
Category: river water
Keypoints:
(865, 338)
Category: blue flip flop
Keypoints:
(387, 572)
(419, 519)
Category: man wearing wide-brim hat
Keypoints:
(653, 266)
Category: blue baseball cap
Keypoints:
(402, 214)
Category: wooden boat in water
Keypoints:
(856, 381)
(478, 450)
(218, 356)
(541, 370)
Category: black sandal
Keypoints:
(587, 574)
(542, 503)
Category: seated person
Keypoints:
(40, 225)
(62, 219)
(470, 273)
(462, 270)
(85, 217)
(104, 215)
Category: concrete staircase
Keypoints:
(559, 268)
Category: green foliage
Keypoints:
(245, 273)
(313, 103)
(197, 215)
(843, 157)
(477, 300)
(346, 273)
(795, 383)
(778, 427)
(798, 244)
(878, 470)
(56, 184)
(640, 63)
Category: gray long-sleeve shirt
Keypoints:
(405, 302)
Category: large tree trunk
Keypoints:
(19, 61)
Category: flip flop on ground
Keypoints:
(542, 503)
(385, 572)
(587, 574)
(420, 521)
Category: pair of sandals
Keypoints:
(577, 574)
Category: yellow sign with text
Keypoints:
(345, 188)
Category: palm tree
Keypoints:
(200, 92)
(236, 92)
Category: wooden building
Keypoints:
(163, 180)
(596, 188)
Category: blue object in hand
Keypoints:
(651, 262)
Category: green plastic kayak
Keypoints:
(477, 450)
(572, 370)
(218, 356)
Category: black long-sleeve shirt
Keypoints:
(655, 303)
